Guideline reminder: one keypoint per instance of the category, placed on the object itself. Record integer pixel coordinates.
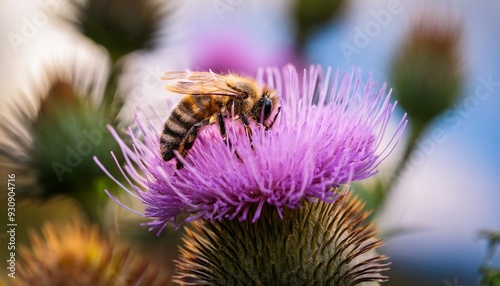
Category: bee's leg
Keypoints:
(248, 130)
(222, 128)
(223, 133)
(188, 140)
(274, 119)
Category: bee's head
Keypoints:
(263, 108)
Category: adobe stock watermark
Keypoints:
(150, 81)
(11, 225)
(224, 6)
(456, 116)
(32, 25)
(75, 154)
(371, 29)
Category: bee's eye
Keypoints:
(262, 109)
(268, 105)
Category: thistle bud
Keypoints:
(120, 26)
(50, 147)
(426, 71)
(318, 244)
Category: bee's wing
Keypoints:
(192, 76)
(174, 75)
(199, 83)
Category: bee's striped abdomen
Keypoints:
(190, 111)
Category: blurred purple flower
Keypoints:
(326, 135)
(228, 49)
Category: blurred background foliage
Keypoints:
(54, 120)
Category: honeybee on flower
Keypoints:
(210, 98)
(328, 133)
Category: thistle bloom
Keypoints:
(327, 134)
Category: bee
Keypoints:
(209, 98)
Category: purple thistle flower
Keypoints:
(327, 134)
